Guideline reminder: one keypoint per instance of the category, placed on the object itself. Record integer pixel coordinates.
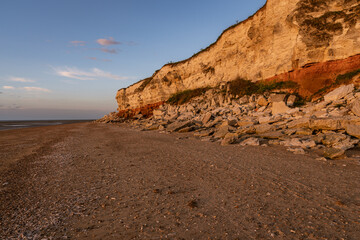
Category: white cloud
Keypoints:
(107, 42)
(94, 74)
(8, 87)
(77, 43)
(19, 79)
(36, 89)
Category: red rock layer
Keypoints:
(313, 77)
(146, 111)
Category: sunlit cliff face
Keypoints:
(282, 40)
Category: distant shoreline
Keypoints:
(19, 124)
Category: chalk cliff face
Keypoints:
(307, 41)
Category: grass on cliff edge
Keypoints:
(185, 96)
(243, 87)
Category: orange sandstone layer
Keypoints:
(313, 77)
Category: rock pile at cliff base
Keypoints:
(330, 126)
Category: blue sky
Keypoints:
(65, 59)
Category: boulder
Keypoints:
(176, 126)
(325, 124)
(221, 131)
(263, 128)
(299, 123)
(229, 138)
(250, 142)
(277, 98)
(244, 99)
(206, 118)
(299, 151)
(262, 101)
(339, 93)
(353, 129)
(333, 138)
(279, 108)
(291, 100)
(356, 107)
(333, 153)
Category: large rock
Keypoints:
(353, 129)
(299, 123)
(262, 101)
(229, 138)
(250, 142)
(277, 98)
(263, 128)
(206, 118)
(176, 126)
(356, 107)
(339, 93)
(325, 124)
(279, 108)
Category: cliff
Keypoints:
(306, 41)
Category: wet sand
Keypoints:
(96, 181)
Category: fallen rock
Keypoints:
(229, 138)
(299, 123)
(206, 118)
(353, 130)
(333, 153)
(279, 108)
(356, 107)
(250, 142)
(262, 101)
(325, 124)
(277, 98)
(221, 131)
(297, 150)
(176, 126)
(339, 93)
(291, 100)
(263, 128)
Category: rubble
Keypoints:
(332, 124)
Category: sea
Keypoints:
(8, 125)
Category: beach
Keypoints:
(107, 181)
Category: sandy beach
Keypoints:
(98, 181)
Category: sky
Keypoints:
(66, 59)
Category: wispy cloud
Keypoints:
(109, 50)
(107, 42)
(78, 43)
(99, 59)
(19, 79)
(94, 74)
(36, 89)
(8, 87)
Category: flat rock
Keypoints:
(277, 98)
(262, 101)
(356, 107)
(206, 118)
(176, 126)
(333, 153)
(229, 138)
(339, 93)
(263, 128)
(326, 124)
(250, 142)
(279, 108)
(353, 129)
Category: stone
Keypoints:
(277, 98)
(204, 133)
(353, 129)
(333, 153)
(346, 144)
(325, 124)
(206, 118)
(299, 151)
(263, 128)
(262, 101)
(291, 100)
(339, 93)
(244, 100)
(176, 126)
(304, 131)
(299, 123)
(333, 138)
(229, 138)
(250, 142)
(221, 132)
(186, 129)
(272, 135)
(356, 107)
(279, 108)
